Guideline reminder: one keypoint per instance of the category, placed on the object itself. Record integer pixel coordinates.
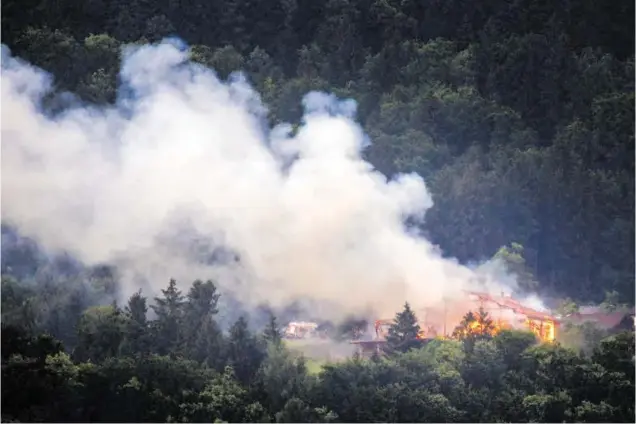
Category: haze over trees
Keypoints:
(519, 115)
(123, 367)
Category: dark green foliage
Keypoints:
(136, 340)
(272, 333)
(616, 353)
(519, 115)
(403, 334)
(169, 309)
(244, 350)
(120, 373)
(100, 333)
(17, 341)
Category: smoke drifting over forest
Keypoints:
(184, 159)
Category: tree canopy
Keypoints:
(118, 370)
(518, 114)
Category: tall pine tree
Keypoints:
(403, 333)
(245, 353)
(136, 339)
(169, 310)
(202, 336)
(272, 331)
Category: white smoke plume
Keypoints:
(183, 157)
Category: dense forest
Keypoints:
(518, 114)
(182, 367)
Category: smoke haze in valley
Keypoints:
(183, 159)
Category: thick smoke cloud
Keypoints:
(184, 158)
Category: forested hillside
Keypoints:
(180, 367)
(519, 115)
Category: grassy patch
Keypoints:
(319, 352)
(314, 366)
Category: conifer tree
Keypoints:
(272, 332)
(200, 308)
(244, 351)
(136, 340)
(403, 333)
(169, 310)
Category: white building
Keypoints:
(300, 329)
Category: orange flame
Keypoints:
(545, 330)
(543, 326)
(477, 327)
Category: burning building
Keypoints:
(440, 322)
(507, 312)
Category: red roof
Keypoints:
(605, 319)
(510, 303)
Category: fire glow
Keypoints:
(504, 312)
